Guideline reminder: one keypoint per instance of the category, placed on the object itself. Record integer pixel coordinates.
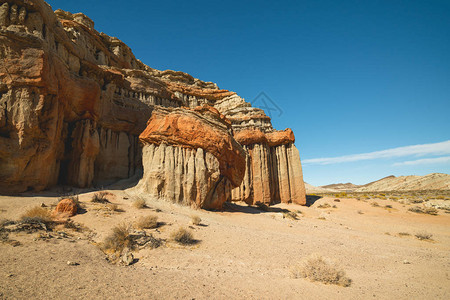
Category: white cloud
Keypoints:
(441, 148)
(425, 161)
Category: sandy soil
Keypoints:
(242, 253)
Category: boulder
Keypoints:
(66, 208)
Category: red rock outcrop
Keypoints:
(74, 101)
(200, 128)
(191, 157)
(65, 208)
(274, 171)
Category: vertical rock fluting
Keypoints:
(190, 157)
(274, 172)
(74, 102)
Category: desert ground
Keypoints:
(240, 252)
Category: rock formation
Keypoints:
(65, 208)
(190, 157)
(74, 106)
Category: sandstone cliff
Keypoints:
(74, 101)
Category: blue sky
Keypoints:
(350, 77)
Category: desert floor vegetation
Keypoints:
(196, 220)
(424, 236)
(37, 214)
(234, 242)
(100, 197)
(118, 240)
(262, 206)
(424, 210)
(317, 268)
(183, 236)
(147, 222)
(139, 203)
(292, 215)
(324, 205)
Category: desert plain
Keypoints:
(240, 252)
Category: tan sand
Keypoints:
(242, 253)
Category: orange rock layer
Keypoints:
(256, 136)
(191, 129)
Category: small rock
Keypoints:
(406, 262)
(127, 258)
(72, 263)
(10, 275)
(43, 204)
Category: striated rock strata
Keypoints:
(74, 104)
(190, 157)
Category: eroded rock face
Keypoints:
(191, 157)
(74, 101)
(274, 171)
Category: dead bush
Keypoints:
(415, 201)
(147, 222)
(196, 220)
(262, 206)
(324, 205)
(375, 204)
(113, 207)
(139, 203)
(425, 210)
(316, 268)
(37, 214)
(423, 236)
(118, 240)
(183, 236)
(100, 197)
(290, 215)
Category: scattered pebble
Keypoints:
(72, 263)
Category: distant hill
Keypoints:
(316, 189)
(434, 181)
(341, 186)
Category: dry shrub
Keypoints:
(423, 236)
(290, 215)
(139, 203)
(37, 214)
(316, 268)
(100, 197)
(196, 220)
(324, 205)
(147, 222)
(183, 236)
(118, 240)
(426, 210)
(74, 226)
(403, 234)
(375, 204)
(112, 207)
(416, 200)
(262, 206)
